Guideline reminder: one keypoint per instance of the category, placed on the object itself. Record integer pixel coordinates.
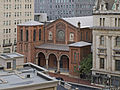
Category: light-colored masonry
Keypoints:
(13, 12)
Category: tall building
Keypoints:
(106, 42)
(64, 8)
(13, 12)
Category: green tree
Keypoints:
(86, 65)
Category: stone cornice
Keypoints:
(106, 28)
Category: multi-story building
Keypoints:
(13, 12)
(64, 8)
(106, 42)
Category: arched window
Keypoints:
(50, 36)
(71, 37)
(39, 34)
(34, 35)
(102, 40)
(21, 35)
(26, 35)
(81, 35)
(86, 35)
(118, 41)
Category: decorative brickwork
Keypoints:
(58, 55)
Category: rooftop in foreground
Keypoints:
(10, 55)
(29, 76)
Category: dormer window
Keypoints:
(102, 6)
(107, 6)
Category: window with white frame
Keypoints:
(102, 40)
(50, 36)
(71, 37)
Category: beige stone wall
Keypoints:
(109, 20)
(11, 13)
(109, 45)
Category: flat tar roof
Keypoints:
(10, 55)
(29, 75)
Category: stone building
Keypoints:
(106, 42)
(13, 12)
(60, 45)
(11, 61)
(64, 8)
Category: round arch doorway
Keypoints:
(41, 60)
(64, 62)
(52, 61)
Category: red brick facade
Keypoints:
(27, 48)
(58, 32)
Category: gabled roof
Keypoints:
(31, 23)
(85, 21)
(80, 44)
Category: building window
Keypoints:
(100, 21)
(101, 51)
(39, 34)
(86, 35)
(8, 65)
(117, 65)
(115, 21)
(81, 35)
(50, 36)
(103, 21)
(21, 48)
(6, 50)
(102, 40)
(118, 41)
(21, 34)
(117, 52)
(119, 22)
(75, 56)
(34, 35)
(101, 63)
(117, 6)
(27, 35)
(102, 7)
(61, 35)
(71, 37)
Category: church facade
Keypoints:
(60, 45)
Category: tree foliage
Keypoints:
(86, 65)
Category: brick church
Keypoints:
(59, 45)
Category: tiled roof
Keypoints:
(31, 23)
(80, 44)
(54, 47)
